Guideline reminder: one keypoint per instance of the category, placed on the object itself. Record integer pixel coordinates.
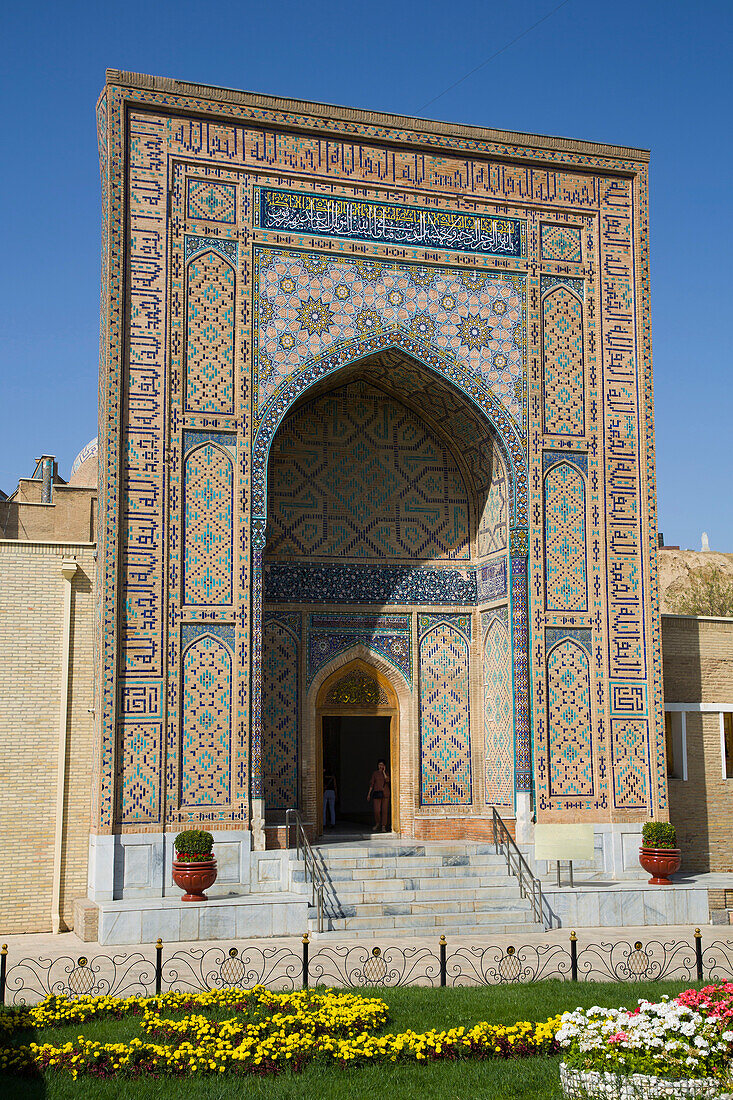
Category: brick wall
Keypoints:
(698, 668)
(31, 630)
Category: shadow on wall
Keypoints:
(688, 799)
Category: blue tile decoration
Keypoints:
(498, 715)
(357, 584)
(214, 202)
(563, 362)
(445, 738)
(566, 577)
(491, 581)
(208, 539)
(206, 734)
(389, 223)
(580, 634)
(280, 714)
(569, 721)
(388, 635)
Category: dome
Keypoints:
(84, 469)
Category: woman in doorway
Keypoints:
(379, 795)
(329, 798)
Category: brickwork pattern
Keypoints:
(280, 714)
(569, 721)
(698, 665)
(206, 741)
(601, 197)
(208, 527)
(354, 474)
(31, 622)
(445, 742)
(566, 579)
(210, 335)
(563, 382)
(498, 725)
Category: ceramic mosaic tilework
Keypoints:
(354, 474)
(561, 242)
(445, 741)
(210, 334)
(569, 721)
(207, 723)
(493, 524)
(208, 526)
(370, 584)
(566, 582)
(498, 715)
(416, 360)
(214, 202)
(389, 635)
(389, 223)
(630, 756)
(491, 581)
(563, 392)
(133, 505)
(308, 303)
(142, 771)
(280, 715)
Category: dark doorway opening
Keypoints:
(352, 745)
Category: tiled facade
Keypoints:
(386, 371)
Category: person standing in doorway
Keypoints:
(329, 799)
(379, 796)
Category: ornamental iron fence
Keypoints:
(281, 967)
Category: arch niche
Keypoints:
(356, 685)
(462, 411)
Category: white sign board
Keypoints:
(563, 842)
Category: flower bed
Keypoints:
(678, 1048)
(266, 1033)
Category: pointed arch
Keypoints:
(445, 738)
(563, 390)
(569, 721)
(208, 526)
(210, 299)
(498, 713)
(280, 715)
(566, 579)
(206, 726)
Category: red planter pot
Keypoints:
(660, 863)
(194, 876)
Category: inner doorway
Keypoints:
(352, 745)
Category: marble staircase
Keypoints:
(384, 885)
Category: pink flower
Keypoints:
(618, 1037)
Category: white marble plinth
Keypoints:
(609, 905)
(143, 920)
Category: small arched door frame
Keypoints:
(358, 658)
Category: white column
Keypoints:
(68, 569)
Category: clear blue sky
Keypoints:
(649, 73)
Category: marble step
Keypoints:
(428, 896)
(440, 923)
(403, 909)
(410, 863)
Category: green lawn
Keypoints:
(415, 1008)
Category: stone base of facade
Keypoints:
(138, 865)
(220, 918)
(609, 905)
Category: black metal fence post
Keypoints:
(3, 971)
(158, 965)
(306, 942)
(443, 962)
(573, 957)
(698, 955)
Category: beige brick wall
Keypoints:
(31, 619)
(698, 667)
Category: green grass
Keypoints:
(414, 1008)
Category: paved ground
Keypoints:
(37, 944)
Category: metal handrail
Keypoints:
(529, 885)
(317, 881)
